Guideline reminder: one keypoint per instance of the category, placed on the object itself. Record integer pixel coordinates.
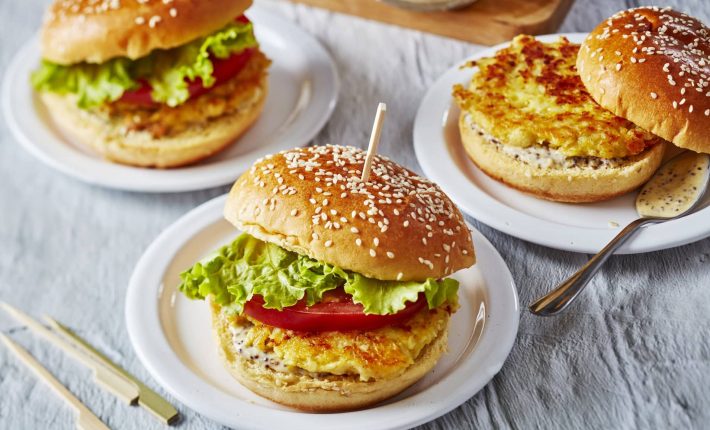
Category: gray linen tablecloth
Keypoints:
(633, 353)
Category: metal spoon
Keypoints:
(674, 191)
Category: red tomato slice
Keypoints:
(336, 312)
(224, 70)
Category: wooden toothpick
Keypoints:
(374, 141)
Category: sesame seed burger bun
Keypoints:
(82, 30)
(651, 66)
(110, 140)
(396, 226)
(319, 394)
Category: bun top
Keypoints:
(395, 226)
(97, 30)
(652, 67)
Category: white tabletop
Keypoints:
(633, 353)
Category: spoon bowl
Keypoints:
(676, 189)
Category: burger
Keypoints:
(336, 294)
(528, 121)
(151, 83)
(587, 123)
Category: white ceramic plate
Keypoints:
(581, 228)
(172, 337)
(303, 89)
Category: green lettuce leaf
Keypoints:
(249, 266)
(167, 71)
(93, 84)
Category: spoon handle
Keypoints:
(558, 299)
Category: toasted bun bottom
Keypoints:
(569, 185)
(313, 394)
(140, 148)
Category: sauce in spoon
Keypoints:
(675, 187)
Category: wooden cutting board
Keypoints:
(486, 22)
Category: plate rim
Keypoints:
(483, 207)
(181, 179)
(143, 325)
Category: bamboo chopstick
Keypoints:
(86, 419)
(108, 378)
(147, 398)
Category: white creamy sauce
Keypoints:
(544, 157)
(270, 360)
(675, 187)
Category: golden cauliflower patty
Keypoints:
(530, 94)
(162, 120)
(368, 355)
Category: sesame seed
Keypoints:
(400, 275)
(654, 95)
(328, 243)
(154, 20)
(618, 66)
(294, 212)
(315, 236)
(173, 12)
(140, 20)
(390, 254)
(406, 223)
(376, 241)
(358, 242)
(372, 253)
(354, 230)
